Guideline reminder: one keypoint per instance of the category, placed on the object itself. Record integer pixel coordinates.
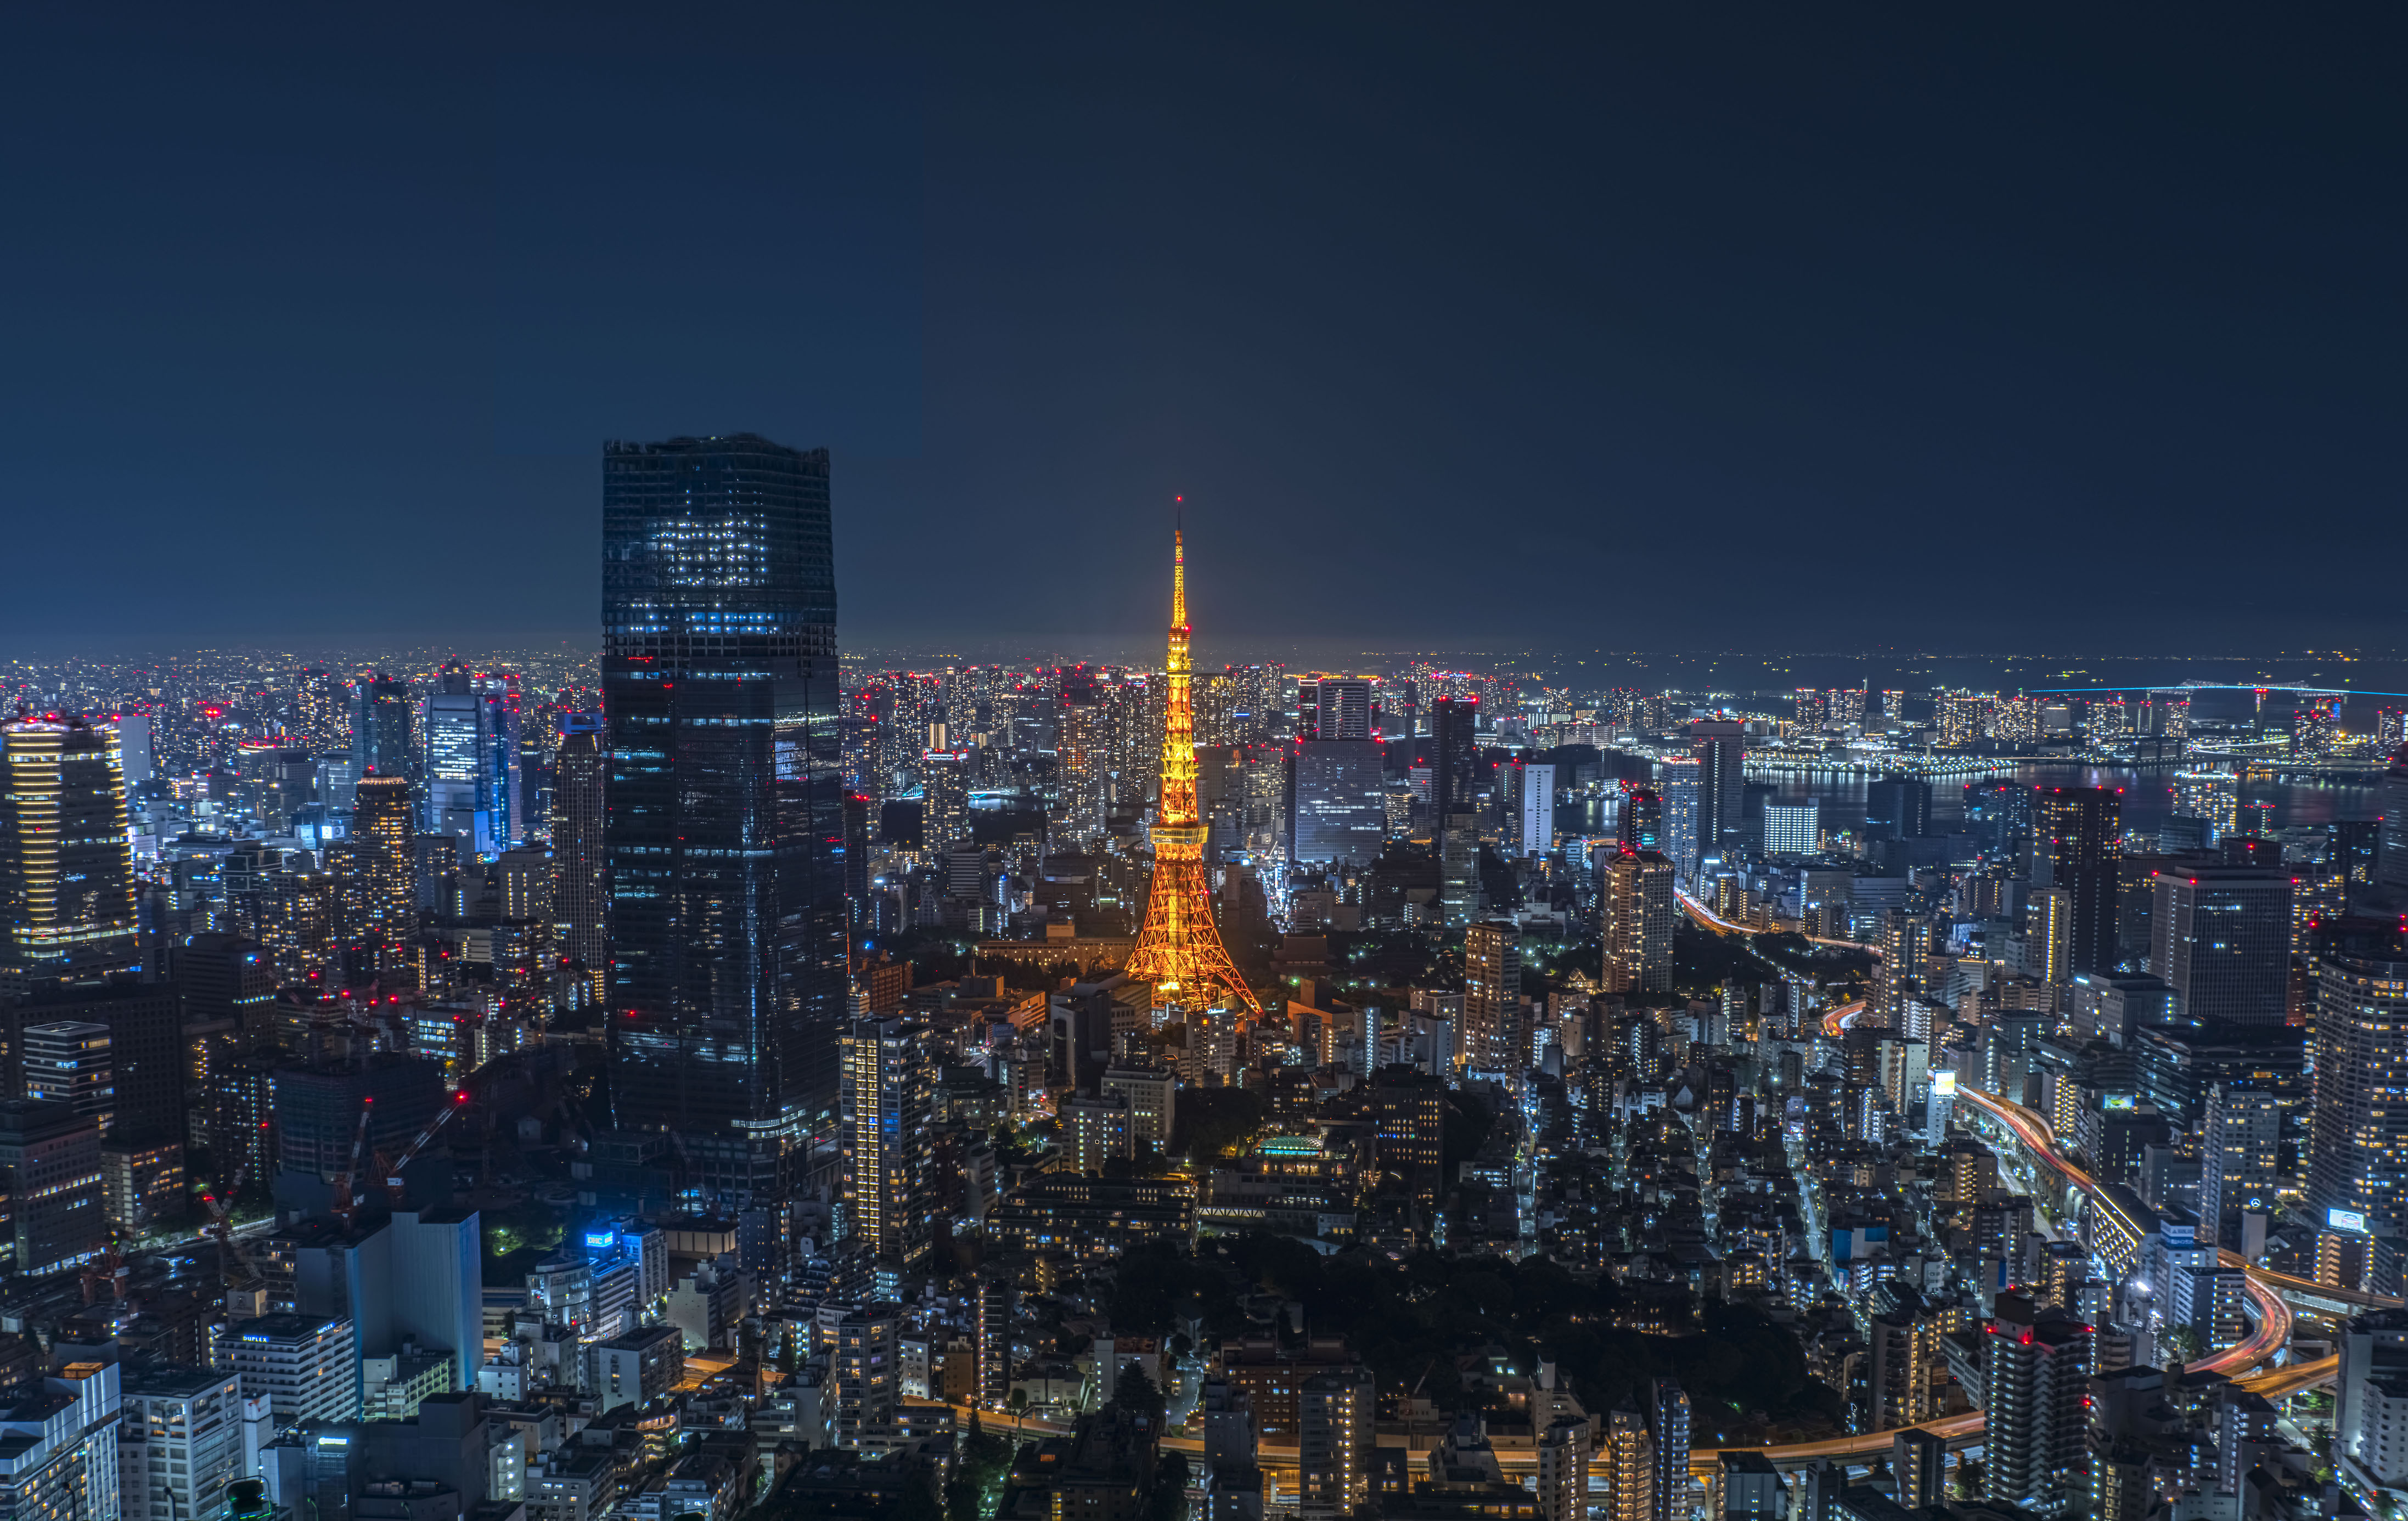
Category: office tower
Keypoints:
(1746, 1485)
(1897, 807)
(1920, 1462)
(944, 800)
(459, 801)
(1335, 1409)
(181, 1442)
(2239, 1142)
(321, 715)
(1341, 808)
(1537, 797)
(1642, 826)
(886, 1142)
(726, 803)
(1793, 830)
(2075, 832)
(1999, 809)
(2222, 940)
(66, 1062)
(866, 1367)
(1455, 757)
(385, 728)
(1668, 1427)
(2036, 1372)
(1563, 1472)
(1681, 780)
(134, 748)
(581, 892)
(384, 844)
(504, 780)
(2357, 1137)
(1721, 749)
(1179, 951)
(1628, 1455)
(1152, 1096)
(49, 1167)
(319, 1106)
(1637, 890)
(308, 1366)
(1493, 1039)
(1334, 708)
(1410, 1144)
(67, 857)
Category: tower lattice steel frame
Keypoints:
(1180, 949)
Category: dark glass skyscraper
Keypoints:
(727, 807)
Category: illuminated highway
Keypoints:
(1712, 920)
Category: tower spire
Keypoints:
(1179, 950)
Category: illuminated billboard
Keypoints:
(1944, 1083)
(2349, 1220)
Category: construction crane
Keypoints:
(393, 1170)
(231, 1252)
(347, 1199)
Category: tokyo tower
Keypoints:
(1180, 949)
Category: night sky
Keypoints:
(1669, 328)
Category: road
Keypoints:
(1712, 920)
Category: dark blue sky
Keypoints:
(1661, 328)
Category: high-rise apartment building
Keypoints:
(2036, 1372)
(2357, 1138)
(1494, 1038)
(1335, 1410)
(726, 803)
(1637, 890)
(1681, 782)
(1668, 1427)
(886, 1143)
(1535, 797)
(67, 856)
(2075, 846)
(1628, 1454)
(866, 1367)
(1563, 1472)
(2222, 941)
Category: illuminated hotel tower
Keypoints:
(1179, 950)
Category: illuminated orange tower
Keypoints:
(1180, 949)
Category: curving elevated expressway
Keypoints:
(2267, 1337)
(1711, 920)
